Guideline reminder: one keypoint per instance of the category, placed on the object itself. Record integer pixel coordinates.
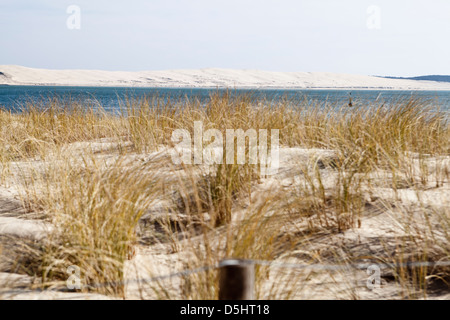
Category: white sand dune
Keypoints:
(208, 78)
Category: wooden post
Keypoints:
(237, 280)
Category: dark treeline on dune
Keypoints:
(425, 78)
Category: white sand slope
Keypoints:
(208, 78)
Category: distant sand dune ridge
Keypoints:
(208, 78)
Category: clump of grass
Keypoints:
(228, 183)
(95, 211)
(256, 233)
(334, 207)
(427, 241)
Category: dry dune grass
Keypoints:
(99, 198)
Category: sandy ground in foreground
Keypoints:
(208, 78)
(378, 236)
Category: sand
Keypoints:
(377, 237)
(208, 78)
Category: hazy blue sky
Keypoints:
(278, 35)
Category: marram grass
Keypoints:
(96, 199)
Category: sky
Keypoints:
(376, 37)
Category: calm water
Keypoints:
(12, 97)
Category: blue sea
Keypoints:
(113, 98)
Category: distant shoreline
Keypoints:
(224, 88)
(228, 88)
(211, 79)
(435, 78)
